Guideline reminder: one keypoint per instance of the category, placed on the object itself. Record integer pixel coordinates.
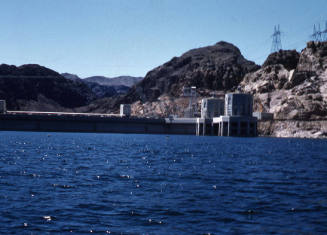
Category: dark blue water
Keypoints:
(155, 184)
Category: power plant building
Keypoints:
(237, 104)
(212, 107)
(237, 121)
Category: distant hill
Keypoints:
(70, 76)
(101, 89)
(128, 81)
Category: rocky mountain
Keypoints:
(288, 58)
(34, 87)
(293, 86)
(126, 81)
(217, 67)
(214, 68)
(294, 92)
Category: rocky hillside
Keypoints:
(292, 85)
(292, 91)
(217, 67)
(33, 87)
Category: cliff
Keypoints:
(293, 86)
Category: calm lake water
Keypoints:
(155, 184)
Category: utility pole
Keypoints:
(277, 42)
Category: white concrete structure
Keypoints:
(204, 126)
(3, 108)
(237, 121)
(212, 107)
(191, 93)
(238, 104)
(235, 126)
(125, 110)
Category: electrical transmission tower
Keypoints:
(277, 42)
(316, 35)
(324, 33)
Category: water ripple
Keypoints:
(142, 184)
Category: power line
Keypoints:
(277, 42)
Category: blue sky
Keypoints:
(131, 37)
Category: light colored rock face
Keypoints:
(300, 94)
(293, 128)
(163, 107)
(167, 105)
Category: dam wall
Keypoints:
(64, 122)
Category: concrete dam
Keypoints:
(102, 123)
(230, 117)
